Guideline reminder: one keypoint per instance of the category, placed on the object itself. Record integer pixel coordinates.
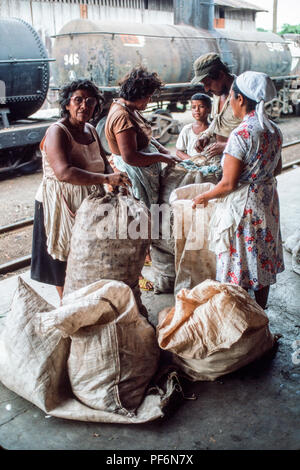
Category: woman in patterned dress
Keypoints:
(245, 228)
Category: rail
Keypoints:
(294, 162)
(16, 225)
(18, 263)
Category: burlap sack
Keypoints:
(90, 360)
(292, 245)
(33, 366)
(214, 329)
(162, 249)
(102, 246)
(194, 261)
(114, 352)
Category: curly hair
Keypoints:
(81, 84)
(138, 84)
(202, 97)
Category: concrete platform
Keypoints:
(256, 407)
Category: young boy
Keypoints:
(185, 145)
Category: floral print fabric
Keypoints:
(255, 255)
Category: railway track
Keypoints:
(12, 229)
(24, 261)
(290, 145)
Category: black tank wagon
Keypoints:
(24, 68)
(24, 83)
(104, 52)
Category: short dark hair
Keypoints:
(81, 84)
(202, 97)
(214, 73)
(139, 83)
(250, 104)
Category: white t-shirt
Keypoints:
(187, 140)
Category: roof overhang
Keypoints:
(239, 5)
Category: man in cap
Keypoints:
(217, 79)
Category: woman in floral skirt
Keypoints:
(245, 228)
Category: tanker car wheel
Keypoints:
(159, 125)
(100, 128)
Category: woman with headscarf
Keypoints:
(245, 228)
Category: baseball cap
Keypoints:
(204, 64)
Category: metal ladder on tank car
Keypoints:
(3, 115)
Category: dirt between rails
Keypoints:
(17, 197)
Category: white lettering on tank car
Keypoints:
(71, 59)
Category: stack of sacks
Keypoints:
(110, 239)
(91, 359)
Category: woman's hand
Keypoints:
(201, 143)
(171, 159)
(118, 179)
(164, 150)
(232, 170)
(201, 199)
(159, 147)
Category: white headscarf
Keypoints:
(258, 87)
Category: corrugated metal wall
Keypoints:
(49, 16)
(163, 5)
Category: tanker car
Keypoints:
(24, 83)
(104, 52)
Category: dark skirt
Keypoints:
(43, 267)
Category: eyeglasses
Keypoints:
(90, 101)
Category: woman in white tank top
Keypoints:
(74, 164)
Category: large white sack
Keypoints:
(292, 245)
(59, 359)
(114, 352)
(194, 261)
(214, 329)
(33, 366)
(163, 249)
(110, 238)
